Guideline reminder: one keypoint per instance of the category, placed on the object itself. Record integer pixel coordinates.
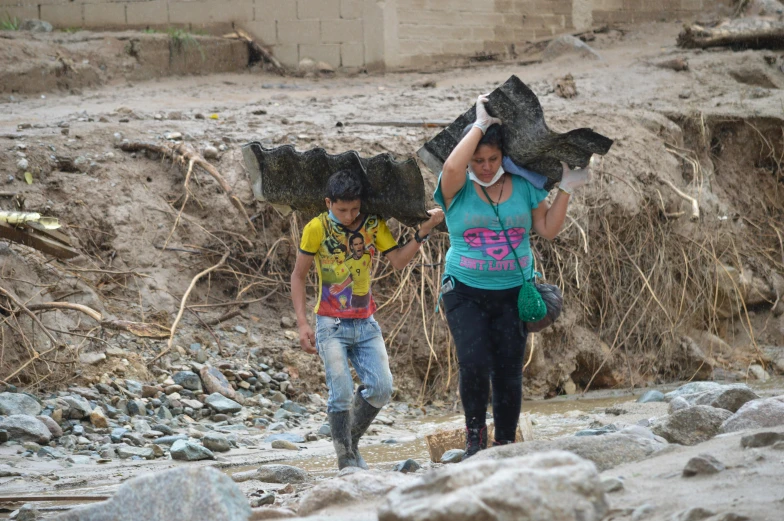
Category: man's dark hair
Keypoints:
(357, 236)
(345, 185)
(493, 136)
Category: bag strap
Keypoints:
(506, 235)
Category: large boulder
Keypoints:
(768, 412)
(692, 425)
(22, 427)
(556, 486)
(695, 388)
(605, 451)
(354, 486)
(18, 403)
(195, 494)
(730, 398)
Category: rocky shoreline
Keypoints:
(171, 438)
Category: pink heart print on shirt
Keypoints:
(493, 243)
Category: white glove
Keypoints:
(572, 179)
(483, 119)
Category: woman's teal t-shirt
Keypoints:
(479, 255)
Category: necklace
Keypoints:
(501, 194)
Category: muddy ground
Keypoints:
(653, 295)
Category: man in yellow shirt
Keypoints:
(343, 242)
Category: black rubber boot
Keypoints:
(340, 425)
(363, 415)
(476, 440)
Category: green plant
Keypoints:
(9, 24)
(71, 30)
(149, 30)
(182, 41)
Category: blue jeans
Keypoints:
(359, 340)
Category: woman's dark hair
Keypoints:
(493, 136)
(345, 185)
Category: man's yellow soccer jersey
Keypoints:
(344, 260)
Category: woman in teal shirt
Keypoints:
(482, 279)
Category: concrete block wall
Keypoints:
(441, 30)
(366, 33)
(333, 31)
(641, 11)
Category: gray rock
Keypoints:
(80, 460)
(607, 429)
(188, 380)
(651, 396)
(127, 452)
(693, 514)
(693, 388)
(186, 450)
(759, 373)
(117, 434)
(137, 408)
(36, 26)
(134, 387)
(553, 485)
(282, 414)
(192, 493)
(757, 414)
(78, 407)
(351, 485)
(209, 152)
(18, 403)
(22, 427)
(453, 456)
(731, 398)
(220, 404)
(7, 472)
(678, 403)
(605, 451)
(612, 484)
(51, 452)
(702, 464)
(280, 474)
(325, 430)
(267, 498)
(26, 512)
(761, 439)
(293, 407)
(642, 512)
(407, 466)
(55, 429)
(285, 436)
(216, 442)
(691, 426)
(169, 440)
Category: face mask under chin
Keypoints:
(472, 176)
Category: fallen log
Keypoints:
(746, 33)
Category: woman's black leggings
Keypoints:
(490, 349)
